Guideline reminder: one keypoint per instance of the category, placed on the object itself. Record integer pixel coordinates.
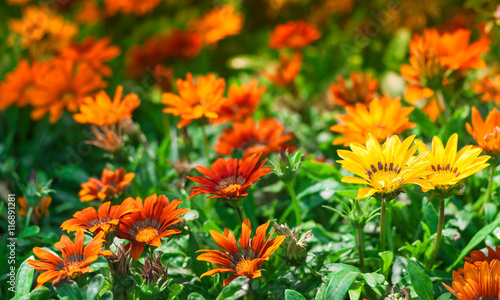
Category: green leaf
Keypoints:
(107, 296)
(68, 289)
(24, 279)
(175, 290)
(421, 283)
(195, 296)
(387, 259)
(41, 294)
(320, 171)
(340, 283)
(29, 231)
(446, 296)
(94, 287)
(293, 295)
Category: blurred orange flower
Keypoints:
(286, 72)
(137, 7)
(18, 86)
(382, 117)
(486, 132)
(293, 35)
(89, 12)
(39, 211)
(490, 88)
(102, 111)
(241, 103)
(19, 2)
(264, 138)
(217, 24)
(195, 100)
(362, 89)
(93, 52)
(110, 185)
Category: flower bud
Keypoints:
(295, 248)
(287, 167)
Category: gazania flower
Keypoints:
(477, 257)
(150, 223)
(384, 169)
(92, 52)
(75, 258)
(137, 7)
(89, 12)
(490, 88)
(486, 132)
(265, 137)
(195, 100)
(217, 24)
(362, 89)
(39, 211)
(19, 84)
(241, 103)
(102, 111)
(478, 283)
(229, 179)
(448, 168)
(286, 72)
(105, 219)
(293, 35)
(64, 86)
(382, 118)
(251, 258)
(110, 185)
(107, 138)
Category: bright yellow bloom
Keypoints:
(447, 167)
(385, 169)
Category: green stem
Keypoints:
(295, 203)
(250, 290)
(239, 214)
(359, 234)
(490, 187)
(28, 217)
(382, 226)
(439, 234)
(207, 145)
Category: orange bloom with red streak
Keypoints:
(105, 219)
(217, 24)
(481, 282)
(110, 185)
(150, 223)
(102, 111)
(200, 100)
(246, 262)
(265, 137)
(486, 132)
(64, 86)
(75, 258)
(137, 7)
(293, 35)
(382, 117)
(362, 89)
(490, 88)
(93, 52)
(286, 71)
(229, 179)
(241, 103)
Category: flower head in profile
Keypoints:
(384, 169)
(110, 185)
(229, 179)
(478, 282)
(200, 100)
(382, 117)
(362, 89)
(448, 168)
(293, 35)
(286, 71)
(39, 211)
(152, 222)
(477, 257)
(105, 219)
(217, 23)
(265, 137)
(246, 262)
(486, 132)
(489, 88)
(75, 258)
(101, 110)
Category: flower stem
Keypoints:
(28, 217)
(490, 187)
(207, 146)
(295, 203)
(439, 234)
(382, 226)
(250, 290)
(359, 235)
(239, 214)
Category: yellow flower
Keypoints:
(385, 169)
(448, 168)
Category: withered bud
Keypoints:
(295, 248)
(182, 168)
(119, 262)
(398, 294)
(153, 270)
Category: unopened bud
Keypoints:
(295, 248)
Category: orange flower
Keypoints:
(105, 219)
(65, 85)
(89, 12)
(382, 117)
(477, 257)
(42, 31)
(19, 84)
(102, 111)
(229, 179)
(486, 133)
(151, 223)
(241, 103)
(195, 100)
(40, 211)
(293, 35)
(217, 24)
(252, 256)
(75, 258)
(137, 7)
(110, 185)
(478, 283)
(107, 138)
(362, 90)
(19, 2)
(92, 52)
(265, 138)
(286, 72)
(490, 88)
